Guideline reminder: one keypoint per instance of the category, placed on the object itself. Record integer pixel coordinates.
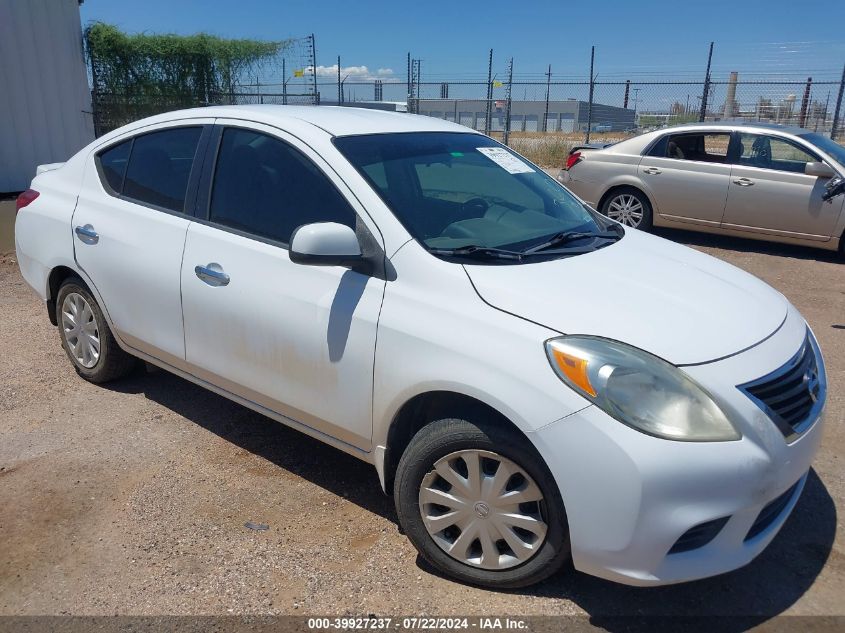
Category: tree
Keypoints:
(196, 67)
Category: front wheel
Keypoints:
(86, 337)
(630, 207)
(479, 504)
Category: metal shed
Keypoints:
(45, 103)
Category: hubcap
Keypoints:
(625, 208)
(80, 330)
(483, 509)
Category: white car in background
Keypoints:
(533, 382)
(766, 182)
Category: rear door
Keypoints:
(298, 340)
(687, 175)
(770, 193)
(129, 232)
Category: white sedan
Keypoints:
(533, 382)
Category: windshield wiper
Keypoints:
(570, 236)
(473, 250)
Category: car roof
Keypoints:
(335, 120)
(734, 125)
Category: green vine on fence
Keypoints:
(191, 68)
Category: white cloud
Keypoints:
(354, 73)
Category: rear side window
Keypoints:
(160, 165)
(708, 148)
(113, 164)
(265, 187)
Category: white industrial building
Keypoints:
(45, 102)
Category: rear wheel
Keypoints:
(628, 206)
(479, 504)
(86, 337)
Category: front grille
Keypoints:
(698, 536)
(771, 512)
(789, 394)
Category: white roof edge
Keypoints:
(333, 120)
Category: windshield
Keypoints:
(826, 145)
(460, 193)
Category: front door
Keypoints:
(687, 176)
(129, 232)
(299, 340)
(770, 193)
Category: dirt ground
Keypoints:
(131, 498)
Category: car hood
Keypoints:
(672, 301)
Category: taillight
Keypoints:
(573, 158)
(25, 198)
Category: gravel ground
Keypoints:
(131, 498)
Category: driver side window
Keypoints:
(772, 152)
(265, 187)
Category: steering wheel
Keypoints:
(476, 204)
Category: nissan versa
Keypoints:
(532, 381)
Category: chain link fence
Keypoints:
(542, 118)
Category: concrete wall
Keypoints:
(45, 102)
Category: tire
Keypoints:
(630, 207)
(415, 478)
(95, 364)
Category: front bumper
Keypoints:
(629, 497)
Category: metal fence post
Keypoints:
(507, 132)
(805, 103)
(284, 83)
(833, 130)
(590, 103)
(546, 112)
(704, 94)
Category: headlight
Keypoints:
(638, 389)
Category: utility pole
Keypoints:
(548, 86)
(413, 97)
(313, 60)
(592, 85)
(489, 112)
(339, 86)
(704, 94)
(506, 134)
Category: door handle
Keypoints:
(87, 234)
(212, 274)
(743, 182)
(651, 170)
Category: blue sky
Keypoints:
(636, 39)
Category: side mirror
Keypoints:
(325, 244)
(833, 188)
(820, 170)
